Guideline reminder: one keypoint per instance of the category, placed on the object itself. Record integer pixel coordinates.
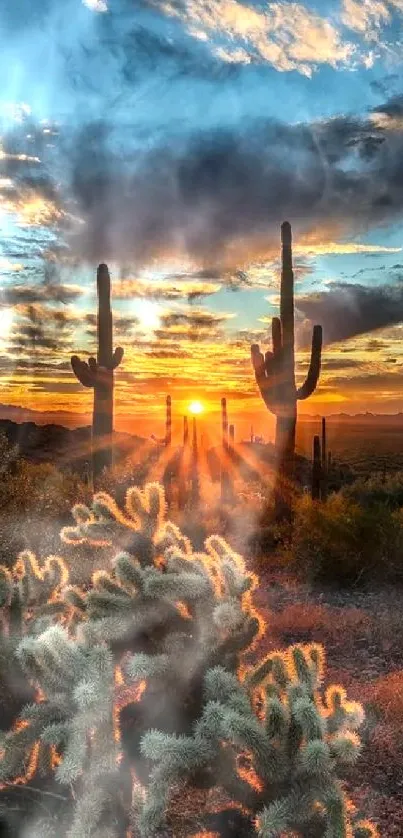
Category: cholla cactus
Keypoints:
(148, 668)
(276, 743)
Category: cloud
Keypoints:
(169, 288)
(369, 17)
(38, 328)
(96, 5)
(371, 383)
(334, 177)
(338, 248)
(122, 324)
(348, 309)
(16, 294)
(227, 192)
(288, 36)
(195, 318)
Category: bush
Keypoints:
(41, 488)
(377, 490)
(140, 685)
(345, 543)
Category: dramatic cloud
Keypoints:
(215, 196)
(226, 191)
(289, 36)
(348, 309)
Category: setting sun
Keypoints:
(196, 407)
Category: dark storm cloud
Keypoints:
(214, 194)
(393, 107)
(347, 310)
(208, 190)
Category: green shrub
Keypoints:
(345, 543)
(377, 490)
(141, 684)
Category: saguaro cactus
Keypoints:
(185, 431)
(98, 374)
(231, 437)
(316, 470)
(195, 481)
(324, 461)
(224, 422)
(168, 421)
(275, 373)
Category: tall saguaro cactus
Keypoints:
(275, 374)
(98, 374)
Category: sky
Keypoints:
(170, 139)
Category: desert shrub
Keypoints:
(140, 685)
(42, 488)
(342, 542)
(387, 695)
(377, 490)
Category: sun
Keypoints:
(148, 314)
(196, 407)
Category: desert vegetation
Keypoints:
(201, 641)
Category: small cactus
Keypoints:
(168, 421)
(316, 470)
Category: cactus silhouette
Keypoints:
(325, 467)
(98, 374)
(224, 423)
(317, 472)
(168, 421)
(275, 374)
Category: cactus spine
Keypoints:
(275, 376)
(168, 421)
(98, 374)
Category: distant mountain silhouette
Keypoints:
(65, 447)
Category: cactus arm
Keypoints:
(117, 357)
(259, 366)
(314, 367)
(82, 371)
(263, 366)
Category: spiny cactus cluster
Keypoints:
(274, 742)
(141, 683)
